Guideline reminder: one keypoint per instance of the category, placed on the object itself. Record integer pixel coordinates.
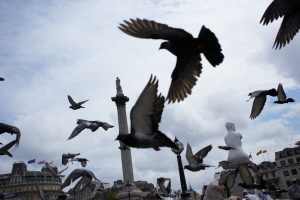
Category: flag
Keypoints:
(31, 161)
(250, 156)
(41, 162)
(264, 151)
(258, 152)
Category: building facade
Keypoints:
(23, 183)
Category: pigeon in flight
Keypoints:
(65, 157)
(4, 149)
(53, 172)
(260, 100)
(145, 117)
(93, 125)
(248, 180)
(227, 178)
(83, 161)
(42, 195)
(75, 105)
(184, 46)
(196, 161)
(1, 79)
(86, 178)
(226, 148)
(223, 164)
(281, 96)
(165, 190)
(290, 11)
(12, 130)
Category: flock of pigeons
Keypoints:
(146, 114)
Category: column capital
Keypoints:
(120, 100)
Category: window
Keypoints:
(286, 173)
(290, 153)
(281, 155)
(298, 159)
(291, 161)
(297, 151)
(282, 162)
(294, 171)
(288, 183)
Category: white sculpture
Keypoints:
(234, 139)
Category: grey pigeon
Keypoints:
(248, 180)
(223, 164)
(93, 125)
(227, 178)
(12, 130)
(42, 195)
(145, 117)
(4, 149)
(196, 161)
(281, 96)
(184, 46)
(83, 161)
(1, 79)
(166, 191)
(53, 172)
(86, 178)
(65, 157)
(226, 148)
(75, 105)
(290, 11)
(260, 100)
(5, 195)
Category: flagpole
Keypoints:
(35, 170)
(263, 156)
(268, 156)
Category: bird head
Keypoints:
(165, 45)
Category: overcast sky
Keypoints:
(51, 49)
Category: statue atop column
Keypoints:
(119, 88)
(234, 139)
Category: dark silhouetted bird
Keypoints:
(83, 161)
(226, 148)
(196, 161)
(281, 96)
(290, 11)
(75, 105)
(166, 191)
(42, 195)
(65, 157)
(5, 148)
(86, 178)
(260, 100)
(145, 117)
(248, 180)
(12, 130)
(1, 79)
(93, 125)
(184, 46)
(53, 172)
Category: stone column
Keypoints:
(120, 99)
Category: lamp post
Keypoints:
(184, 195)
(128, 187)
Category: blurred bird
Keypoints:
(93, 125)
(1, 79)
(123, 147)
(223, 164)
(5, 195)
(226, 148)
(53, 172)
(65, 157)
(145, 117)
(12, 130)
(227, 178)
(4, 149)
(186, 48)
(75, 105)
(248, 180)
(297, 143)
(42, 195)
(281, 95)
(260, 100)
(196, 161)
(86, 178)
(290, 11)
(165, 190)
(83, 161)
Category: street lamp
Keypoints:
(184, 194)
(128, 187)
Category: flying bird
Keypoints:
(1, 79)
(12, 130)
(83, 161)
(184, 46)
(145, 117)
(290, 11)
(196, 161)
(123, 147)
(86, 177)
(223, 164)
(297, 143)
(93, 125)
(281, 96)
(4, 149)
(53, 172)
(75, 105)
(42, 195)
(227, 178)
(165, 190)
(226, 148)
(248, 180)
(65, 157)
(260, 100)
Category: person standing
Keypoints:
(294, 190)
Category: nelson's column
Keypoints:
(120, 101)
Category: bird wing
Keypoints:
(41, 193)
(82, 183)
(81, 126)
(50, 169)
(11, 129)
(189, 156)
(75, 174)
(106, 126)
(280, 93)
(202, 153)
(92, 175)
(288, 29)
(278, 8)
(3, 149)
(83, 163)
(143, 112)
(64, 159)
(184, 77)
(258, 105)
(245, 174)
(226, 148)
(82, 102)
(1, 79)
(72, 102)
(63, 170)
(151, 29)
